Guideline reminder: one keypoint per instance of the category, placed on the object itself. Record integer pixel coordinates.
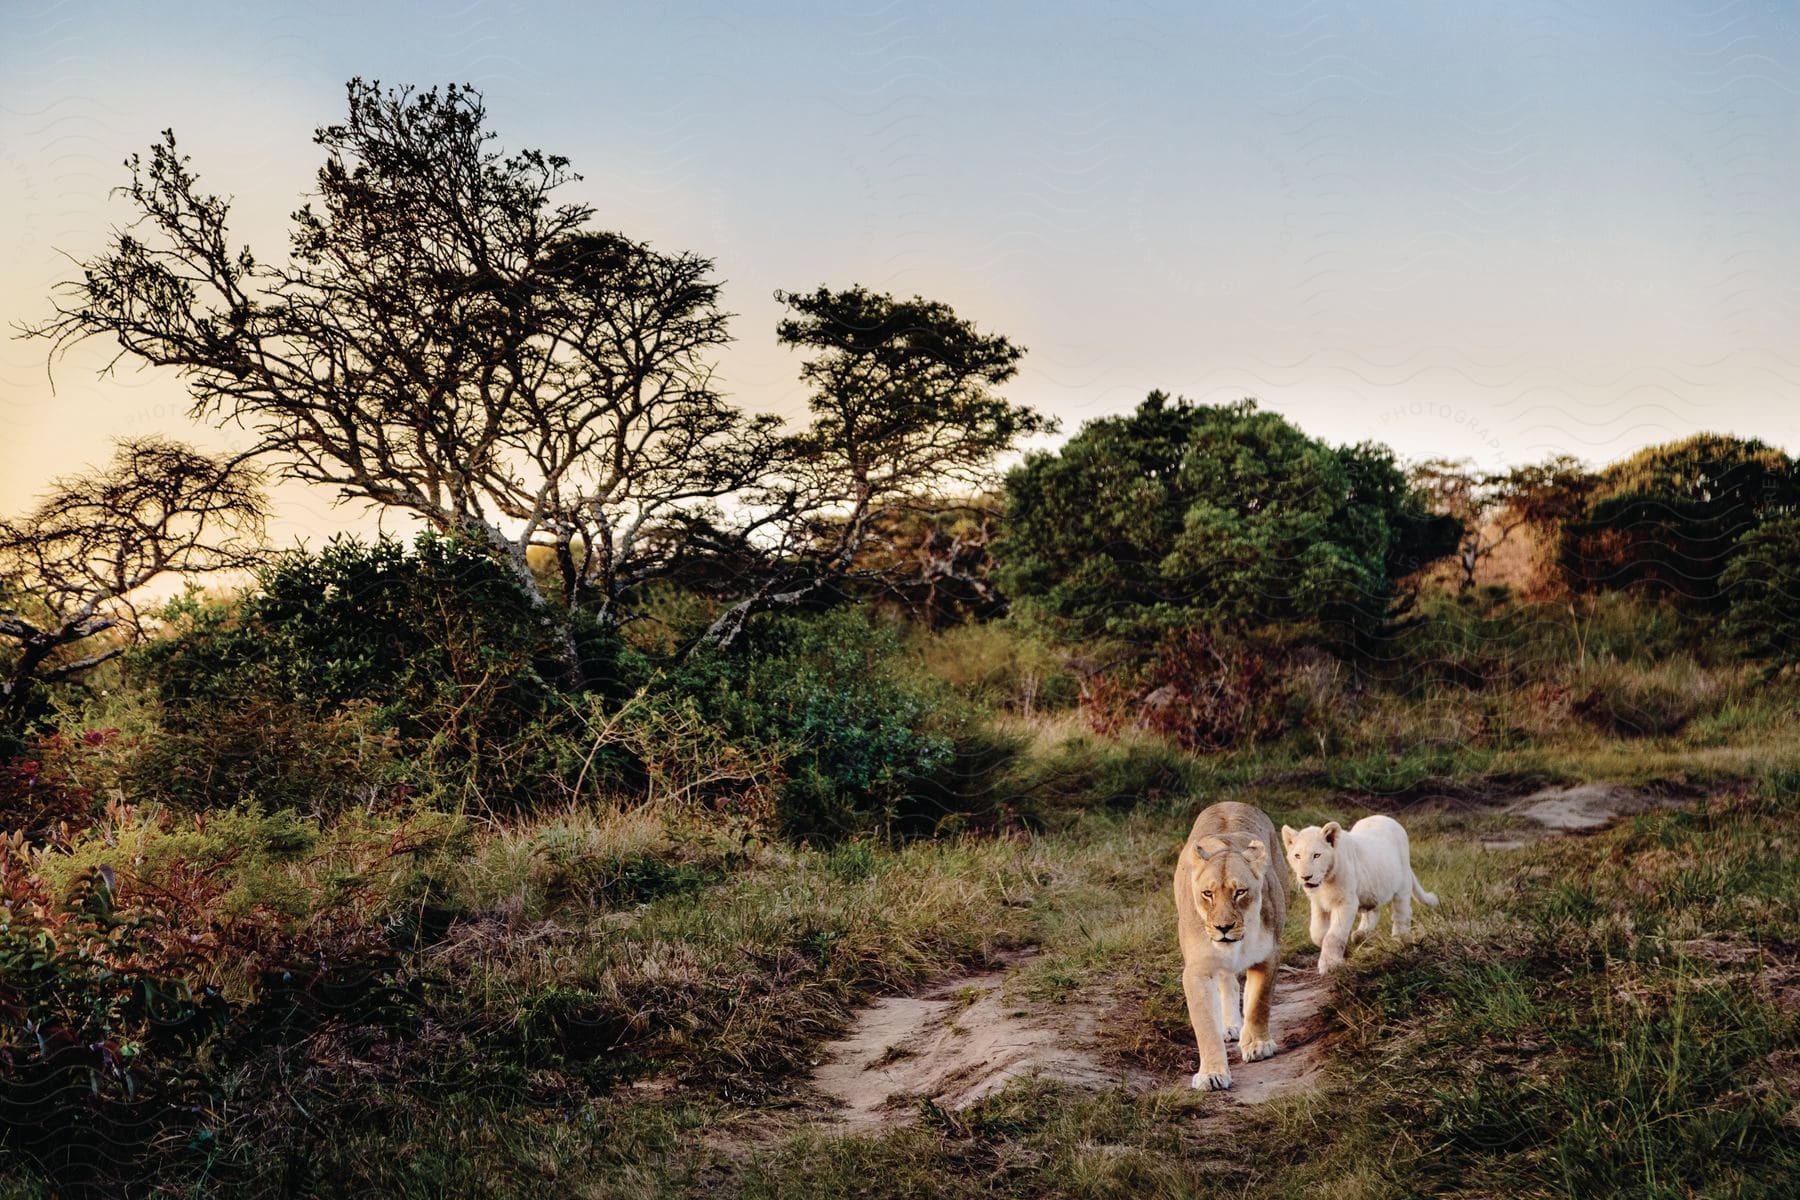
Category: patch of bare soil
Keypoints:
(1556, 811)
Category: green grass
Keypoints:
(623, 1002)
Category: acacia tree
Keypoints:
(904, 410)
(72, 567)
(445, 338)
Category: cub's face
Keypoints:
(1228, 887)
(1312, 852)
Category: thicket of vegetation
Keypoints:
(677, 731)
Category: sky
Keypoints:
(1497, 231)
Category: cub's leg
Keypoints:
(1321, 921)
(1259, 988)
(1231, 1011)
(1371, 917)
(1403, 913)
(1202, 998)
(1337, 939)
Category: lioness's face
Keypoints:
(1228, 889)
(1312, 852)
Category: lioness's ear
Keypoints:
(1332, 829)
(1288, 835)
(1257, 855)
(1206, 847)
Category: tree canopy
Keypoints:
(1183, 514)
(904, 407)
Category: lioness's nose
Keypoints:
(1226, 928)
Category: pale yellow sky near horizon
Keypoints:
(1498, 233)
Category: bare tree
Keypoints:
(445, 339)
(71, 570)
(904, 411)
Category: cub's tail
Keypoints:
(1419, 893)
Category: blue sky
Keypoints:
(1482, 229)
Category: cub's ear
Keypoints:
(1288, 834)
(1332, 829)
(1257, 855)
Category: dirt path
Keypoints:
(955, 1044)
(965, 1039)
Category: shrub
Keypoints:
(412, 633)
(151, 966)
(39, 796)
(1200, 692)
(95, 1007)
(438, 644)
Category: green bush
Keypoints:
(289, 694)
(1183, 514)
(867, 742)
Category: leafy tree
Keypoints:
(1667, 520)
(1182, 514)
(904, 407)
(445, 338)
(73, 569)
(1761, 587)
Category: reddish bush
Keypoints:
(1201, 693)
(123, 995)
(38, 795)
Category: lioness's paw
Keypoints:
(1257, 1049)
(1231, 1033)
(1204, 1082)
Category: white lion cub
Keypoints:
(1346, 871)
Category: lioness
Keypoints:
(1229, 908)
(1346, 871)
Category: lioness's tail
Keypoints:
(1419, 893)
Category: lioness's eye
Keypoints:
(1206, 895)
(1242, 892)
